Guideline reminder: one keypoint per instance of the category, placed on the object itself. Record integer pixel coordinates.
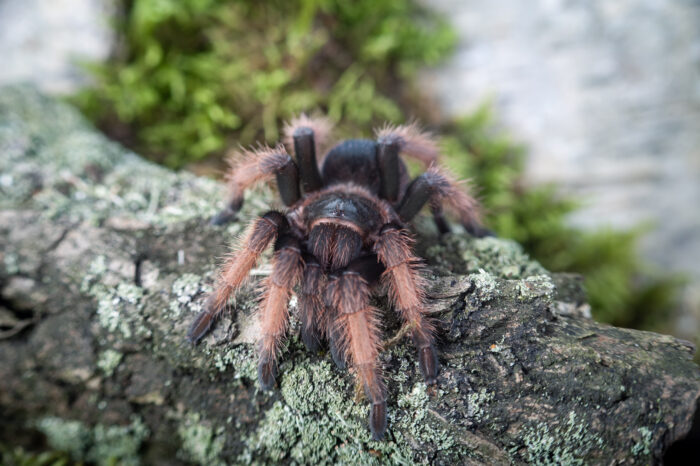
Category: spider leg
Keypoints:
(287, 269)
(411, 141)
(305, 151)
(311, 308)
(388, 161)
(370, 269)
(320, 126)
(357, 326)
(406, 291)
(258, 165)
(235, 270)
(306, 135)
(438, 187)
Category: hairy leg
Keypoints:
(320, 126)
(406, 291)
(438, 187)
(252, 166)
(235, 270)
(411, 141)
(311, 307)
(306, 135)
(287, 269)
(357, 327)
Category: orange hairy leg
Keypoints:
(411, 141)
(407, 293)
(312, 312)
(287, 269)
(357, 328)
(236, 269)
(253, 166)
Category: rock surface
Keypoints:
(45, 42)
(105, 259)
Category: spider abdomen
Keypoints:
(354, 160)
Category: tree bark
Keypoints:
(106, 259)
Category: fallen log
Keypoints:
(106, 258)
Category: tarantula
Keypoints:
(337, 239)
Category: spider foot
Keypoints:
(267, 369)
(337, 354)
(311, 339)
(203, 322)
(428, 362)
(377, 419)
(222, 218)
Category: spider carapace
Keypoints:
(344, 230)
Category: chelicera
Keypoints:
(345, 230)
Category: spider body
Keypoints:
(344, 232)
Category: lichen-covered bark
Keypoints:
(105, 259)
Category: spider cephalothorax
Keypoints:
(344, 230)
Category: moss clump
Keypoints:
(12, 456)
(201, 442)
(198, 75)
(102, 445)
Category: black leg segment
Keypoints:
(288, 183)
(417, 195)
(388, 162)
(305, 151)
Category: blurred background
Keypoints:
(578, 120)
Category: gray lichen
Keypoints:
(109, 360)
(565, 442)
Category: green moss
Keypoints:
(18, 456)
(415, 423)
(102, 445)
(199, 75)
(202, 443)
